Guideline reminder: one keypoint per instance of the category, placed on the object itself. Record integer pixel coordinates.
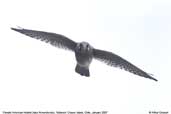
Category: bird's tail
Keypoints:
(82, 70)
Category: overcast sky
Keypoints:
(37, 76)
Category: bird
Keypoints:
(84, 53)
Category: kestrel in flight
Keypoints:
(84, 53)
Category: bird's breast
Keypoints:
(84, 59)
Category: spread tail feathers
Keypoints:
(82, 70)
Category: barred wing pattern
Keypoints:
(116, 61)
(52, 38)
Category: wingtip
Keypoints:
(150, 76)
(18, 28)
(154, 79)
(13, 28)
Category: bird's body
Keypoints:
(84, 56)
(84, 53)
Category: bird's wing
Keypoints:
(52, 38)
(116, 61)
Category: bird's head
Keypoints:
(83, 47)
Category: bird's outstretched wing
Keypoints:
(52, 38)
(116, 61)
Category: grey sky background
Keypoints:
(37, 76)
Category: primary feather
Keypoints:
(116, 61)
(52, 38)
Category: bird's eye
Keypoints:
(87, 47)
(80, 46)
